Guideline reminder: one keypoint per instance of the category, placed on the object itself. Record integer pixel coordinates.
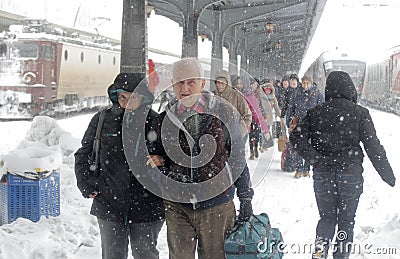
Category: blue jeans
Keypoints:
(301, 164)
(337, 195)
(115, 238)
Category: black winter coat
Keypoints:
(290, 96)
(329, 137)
(280, 95)
(121, 197)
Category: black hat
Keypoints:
(339, 84)
(252, 80)
(234, 80)
(124, 82)
(285, 78)
(264, 81)
(294, 76)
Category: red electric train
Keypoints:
(47, 71)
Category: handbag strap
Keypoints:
(251, 227)
(283, 128)
(96, 142)
(266, 226)
(308, 98)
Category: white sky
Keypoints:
(352, 27)
(349, 25)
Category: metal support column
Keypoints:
(243, 57)
(233, 59)
(216, 50)
(133, 37)
(264, 70)
(189, 40)
(252, 65)
(258, 67)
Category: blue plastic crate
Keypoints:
(30, 199)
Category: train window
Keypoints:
(99, 59)
(386, 72)
(20, 49)
(82, 57)
(66, 55)
(47, 52)
(3, 50)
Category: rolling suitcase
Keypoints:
(288, 158)
(282, 139)
(276, 128)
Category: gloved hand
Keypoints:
(392, 183)
(390, 180)
(245, 211)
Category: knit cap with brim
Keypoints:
(223, 74)
(307, 77)
(124, 82)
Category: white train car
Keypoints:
(338, 61)
(382, 83)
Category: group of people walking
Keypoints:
(126, 210)
(175, 145)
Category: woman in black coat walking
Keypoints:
(126, 211)
(329, 138)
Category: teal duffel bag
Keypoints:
(254, 239)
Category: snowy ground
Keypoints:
(289, 202)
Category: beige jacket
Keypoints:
(272, 99)
(238, 101)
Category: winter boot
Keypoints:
(321, 248)
(297, 174)
(306, 174)
(256, 151)
(251, 155)
(320, 252)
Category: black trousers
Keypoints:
(254, 136)
(337, 195)
(115, 238)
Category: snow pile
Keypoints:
(32, 159)
(46, 130)
(42, 150)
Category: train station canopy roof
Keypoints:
(271, 35)
(276, 33)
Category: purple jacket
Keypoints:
(253, 102)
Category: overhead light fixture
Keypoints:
(278, 45)
(203, 37)
(270, 26)
(149, 9)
